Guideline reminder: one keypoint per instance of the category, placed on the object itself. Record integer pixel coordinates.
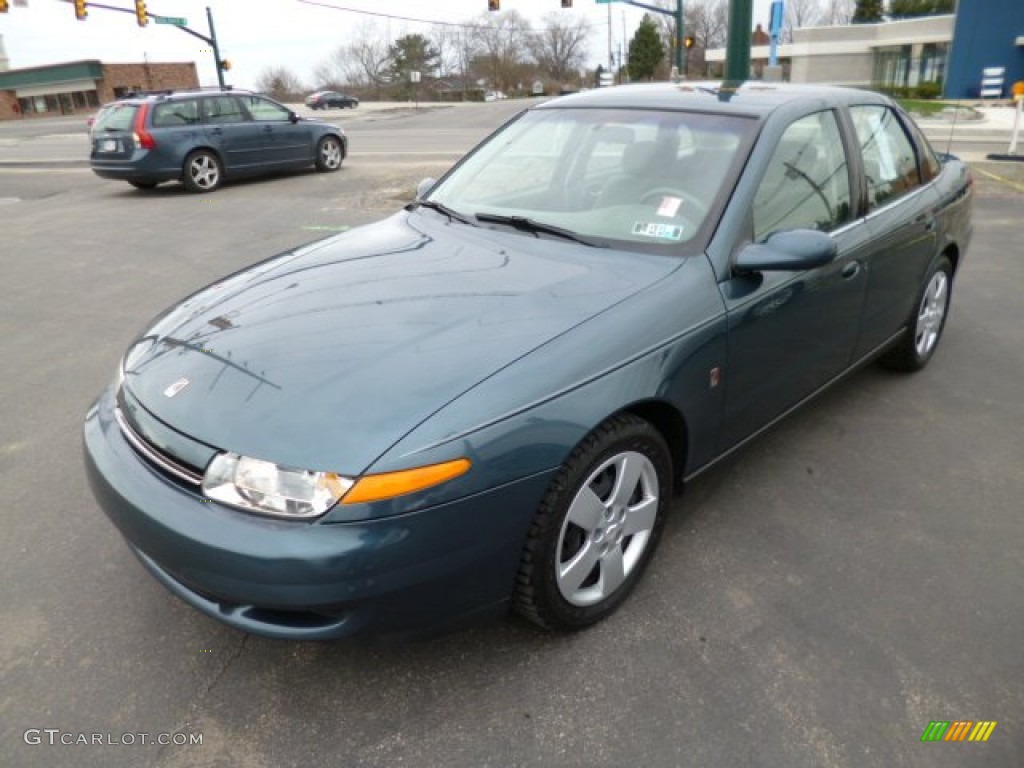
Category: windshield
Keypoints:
(642, 179)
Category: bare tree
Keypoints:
(501, 40)
(361, 63)
(457, 47)
(280, 83)
(837, 12)
(560, 48)
(800, 13)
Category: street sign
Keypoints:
(178, 21)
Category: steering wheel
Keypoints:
(693, 202)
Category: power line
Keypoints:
(397, 17)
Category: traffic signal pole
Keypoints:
(677, 14)
(179, 23)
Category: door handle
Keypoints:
(851, 270)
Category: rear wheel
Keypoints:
(329, 154)
(203, 172)
(597, 527)
(916, 348)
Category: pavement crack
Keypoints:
(197, 700)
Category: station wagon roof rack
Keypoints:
(164, 92)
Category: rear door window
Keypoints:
(222, 109)
(890, 163)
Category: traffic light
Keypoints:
(141, 15)
(80, 12)
(225, 64)
(493, 5)
(688, 41)
(567, 3)
(3, 6)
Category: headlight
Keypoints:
(262, 486)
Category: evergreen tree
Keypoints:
(906, 9)
(868, 12)
(645, 50)
(411, 53)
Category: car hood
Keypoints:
(324, 357)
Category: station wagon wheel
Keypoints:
(329, 154)
(202, 172)
(597, 526)
(917, 346)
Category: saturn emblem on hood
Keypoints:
(176, 387)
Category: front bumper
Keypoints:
(311, 580)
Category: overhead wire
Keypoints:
(398, 17)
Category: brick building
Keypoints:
(82, 86)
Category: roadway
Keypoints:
(816, 600)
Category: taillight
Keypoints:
(143, 138)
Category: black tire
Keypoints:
(329, 154)
(913, 351)
(202, 171)
(143, 184)
(571, 576)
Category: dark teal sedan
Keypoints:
(490, 397)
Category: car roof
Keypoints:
(755, 98)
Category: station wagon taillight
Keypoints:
(143, 138)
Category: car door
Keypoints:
(901, 212)
(230, 131)
(790, 332)
(286, 142)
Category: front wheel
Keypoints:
(329, 154)
(597, 527)
(203, 172)
(916, 348)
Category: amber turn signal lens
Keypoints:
(387, 485)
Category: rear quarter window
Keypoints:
(172, 113)
(116, 117)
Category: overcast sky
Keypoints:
(255, 34)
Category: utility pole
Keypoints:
(737, 50)
(216, 49)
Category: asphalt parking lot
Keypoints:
(817, 599)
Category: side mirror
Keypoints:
(293, 117)
(798, 249)
(424, 187)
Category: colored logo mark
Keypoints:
(958, 730)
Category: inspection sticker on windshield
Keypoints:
(660, 231)
(669, 206)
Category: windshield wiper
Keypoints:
(442, 208)
(538, 227)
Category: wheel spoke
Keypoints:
(627, 474)
(586, 510)
(641, 517)
(573, 573)
(612, 571)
